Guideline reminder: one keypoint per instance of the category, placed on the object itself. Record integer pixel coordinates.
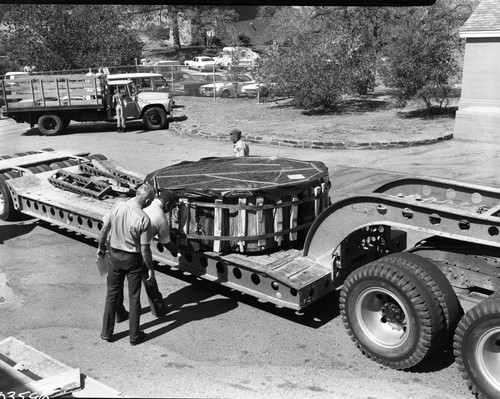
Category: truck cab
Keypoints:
(144, 81)
(140, 103)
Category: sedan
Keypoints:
(201, 63)
(227, 88)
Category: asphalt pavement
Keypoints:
(214, 342)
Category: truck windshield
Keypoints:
(159, 82)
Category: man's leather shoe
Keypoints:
(142, 336)
(108, 339)
(122, 318)
(160, 315)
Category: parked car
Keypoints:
(201, 63)
(226, 88)
(268, 90)
(192, 82)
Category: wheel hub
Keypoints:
(383, 317)
(394, 316)
(488, 355)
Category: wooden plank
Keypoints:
(261, 222)
(278, 222)
(294, 209)
(317, 201)
(218, 224)
(326, 198)
(185, 214)
(242, 223)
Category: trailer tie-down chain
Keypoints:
(81, 185)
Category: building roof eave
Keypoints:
(479, 34)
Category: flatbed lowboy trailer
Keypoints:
(417, 260)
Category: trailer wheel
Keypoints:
(5, 157)
(391, 314)
(155, 118)
(438, 283)
(98, 157)
(12, 174)
(477, 348)
(57, 165)
(7, 211)
(50, 125)
(43, 168)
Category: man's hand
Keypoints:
(100, 253)
(151, 274)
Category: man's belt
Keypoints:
(123, 252)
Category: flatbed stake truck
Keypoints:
(416, 261)
(53, 101)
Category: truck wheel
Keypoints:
(477, 348)
(7, 211)
(50, 125)
(391, 314)
(5, 157)
(155, 118)
(225, 94)
(439, 285)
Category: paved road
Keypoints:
(214, 342)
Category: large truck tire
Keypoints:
(7, 211)
(155, 118)
(477, 348)
(391, 313)
(50, 125)
(440, 286)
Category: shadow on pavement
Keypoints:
(8, 232)
(439, 360)
(315, 315)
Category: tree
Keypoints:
(422, 54)
(63, 37)
(318, 56)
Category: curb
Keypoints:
(320, 145)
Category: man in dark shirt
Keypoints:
(128, 230)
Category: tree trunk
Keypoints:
(175, 31)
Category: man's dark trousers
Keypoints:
(130, 265)
(155, 297)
